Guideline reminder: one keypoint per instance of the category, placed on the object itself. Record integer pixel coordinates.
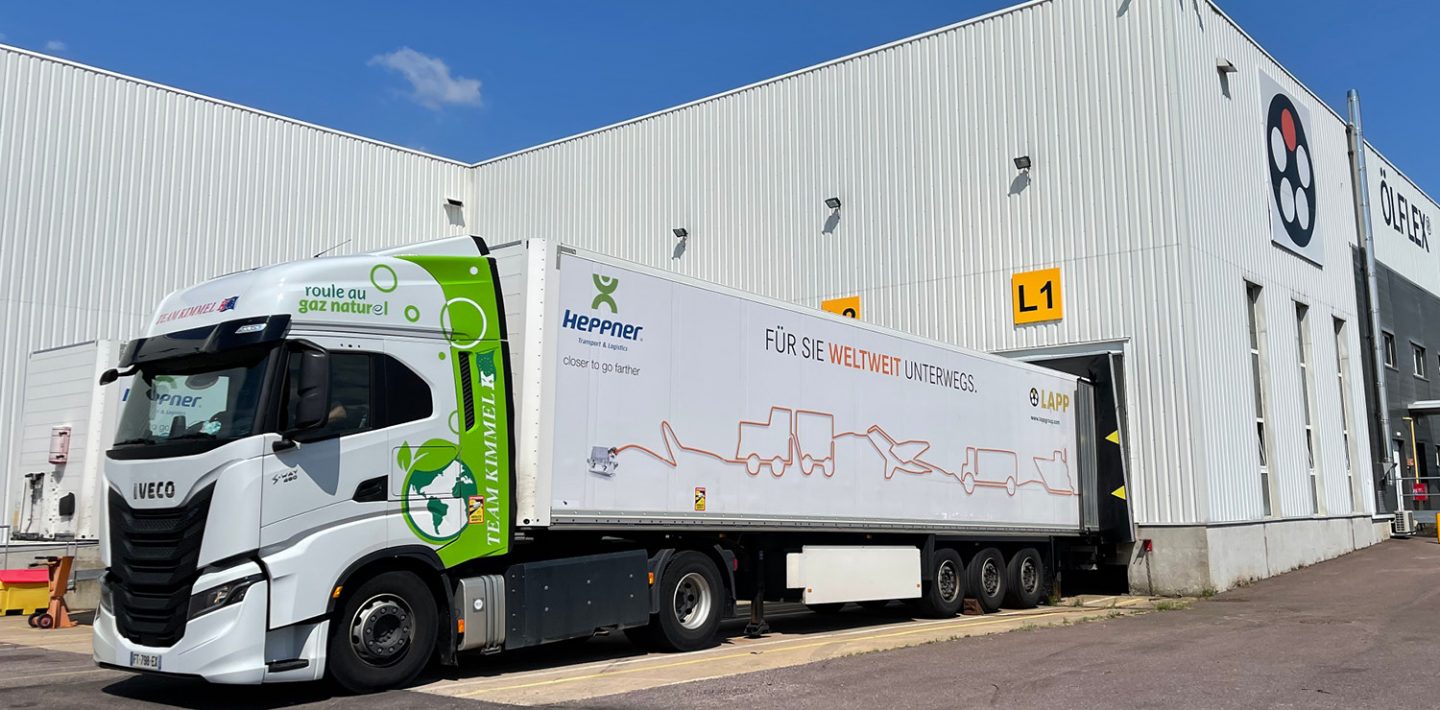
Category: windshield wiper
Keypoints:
(191, 435)
(136, 441)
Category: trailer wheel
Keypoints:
(1025, 579)
(691, 599)
(985, 578)
(944, 594)
(384, 633)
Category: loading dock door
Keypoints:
(1106, 370)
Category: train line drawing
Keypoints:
(803, 439)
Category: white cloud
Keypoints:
(431, 84)
(54, 45)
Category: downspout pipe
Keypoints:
(1360, 181)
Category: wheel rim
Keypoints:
(947, 581)
(1029, 575)
(990, 578)
(382, 629)
(692, 600)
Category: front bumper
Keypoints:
(229, 645)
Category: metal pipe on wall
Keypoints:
(1361, 186)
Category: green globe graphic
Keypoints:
(435, 501)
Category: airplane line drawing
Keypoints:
(788, 437)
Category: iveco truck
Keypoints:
(355, 466)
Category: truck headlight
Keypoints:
(222, 596)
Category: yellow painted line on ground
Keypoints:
(828, 641)
(755, 647)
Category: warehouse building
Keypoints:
(1136, 192)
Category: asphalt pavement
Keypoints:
(1359, 631)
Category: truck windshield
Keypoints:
(200, 402)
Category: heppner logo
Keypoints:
(605, 286)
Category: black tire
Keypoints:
(1025, 580)
(692, 598)
(34, 619)
(944, 594)
(985, 579)
(44, 620)
(826, 609)
(394, 617)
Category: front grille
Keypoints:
(153, 556)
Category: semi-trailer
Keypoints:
(355, 466)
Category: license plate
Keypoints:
(145, 661)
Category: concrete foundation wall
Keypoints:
(1199, 559)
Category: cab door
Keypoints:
(333, 467)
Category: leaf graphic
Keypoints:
(402, 456)
(435, 455)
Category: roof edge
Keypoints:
(228, 104)
(771, 80)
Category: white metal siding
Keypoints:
(1227, 203)
(114, 192)
(917, 140)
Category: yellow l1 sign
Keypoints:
(849, 306)
(1036, 296)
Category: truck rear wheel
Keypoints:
(691, 600)
(985, 578)
(1025, 579)
(384, 633)
(944, 594)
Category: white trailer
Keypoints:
(67, 423)
(447, 447)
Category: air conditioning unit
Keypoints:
(1404, 523)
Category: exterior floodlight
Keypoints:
(1022, 162)
(681, 232)
(832, 202)
(1225, 66)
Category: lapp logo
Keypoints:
(606, 286)
(1054, 401)
(154, 490)
(229, 304)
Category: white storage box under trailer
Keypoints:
(575, 444)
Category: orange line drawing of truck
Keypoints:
(767, 444)
(993, 468)
(814, 438)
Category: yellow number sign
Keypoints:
(848, 306)
(1036, 297)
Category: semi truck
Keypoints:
(355, 466)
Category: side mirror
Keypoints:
(313, 389)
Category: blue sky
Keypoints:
(512, 75)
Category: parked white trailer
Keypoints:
(446, 447)
(67, 422)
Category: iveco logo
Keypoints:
(154, 490)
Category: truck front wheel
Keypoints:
(384, 634)
(691, 600)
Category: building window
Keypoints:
(1256, 319)
(1418, 355)
(1390, 361)
(1342, 366)
(1302, 325)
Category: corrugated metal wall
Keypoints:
(1226, 200)
(917, 140)
(114, 192)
